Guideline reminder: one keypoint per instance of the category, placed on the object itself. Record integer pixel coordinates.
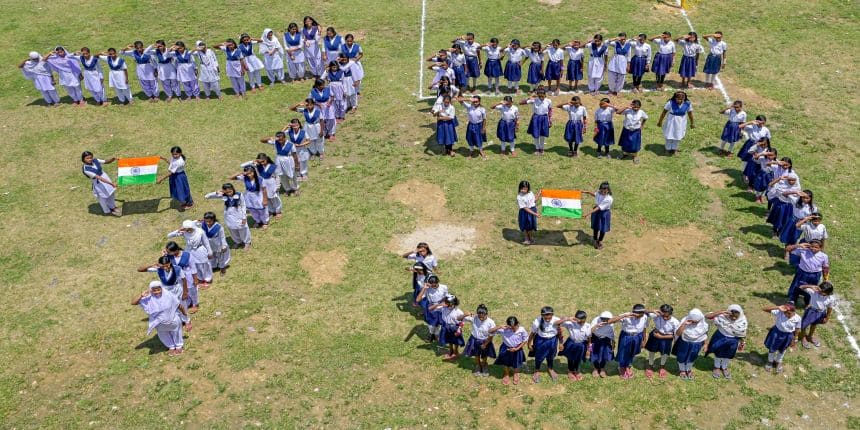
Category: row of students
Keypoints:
(675, 118)
(630, 56)
(179, 68)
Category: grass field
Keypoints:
(312, 328)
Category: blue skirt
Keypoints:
(574, 70)
(545, 349)
(605, 135)
(460, 76)
(539, 126)
(473, 348)
(506, 131)
(789, 234)
(432, 318)
(751, 169)
(535, 73)
(812, 317)
(474, 135)
(448, 335)
(722, 346)
(446, 134)
(688, 67)
(601, 350)
(574, 351)
(601, 220)
(778, 340)
(179, 188)
(686, 352)
(573, 132)
(779, 213)
(630, 140)
(662, 64)
(513, 71)
(553, 71)
(713, 64)
(762, 180)
(663, 346)
(743, 153)
(629, 346)
(510, 359)
(493, 68)
(802, 277)
(731, 132)
(473, 67)
(527, 221)
(637, 66)
(416, 288)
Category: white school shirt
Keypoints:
(632, 325)
(477, 115)
(192, 240)
(604, 114)
(555, 54)
(208, 66)
(515, 55)
(146, 71)
(550, 330)
(641, 50)
(690, 49)
(116, 78)
(737, 117)
(578, 332)
(821, 302)
(575, 113)
(596, 65)
(480, 329)
(696, 332)
(785, 324)
(185, 71)
(604, 202)
(756, 132)
(469, 49)
(803, 211)
(493, 53)
(605, 331)
(540, 107)
(448, 111)
(809, 262)
(664, 47)
(509, 113)
(165, 70)
(442, 71)
(665, 326)
(534, 57)
(633, 118)
(618, 63)
(449, 316)
(513, 338)
(430, 260)
(526, 201)
(233, 216)
(436, 295)
(574, 53)
(458, 60)
(810, 231)
(717, 48)
(176, 165)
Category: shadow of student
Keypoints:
(758, 210)
(774, 250)
(541, 237)
(737, 177)
(656, 149)
(759, 229)
(418, 330)
(777, 298)
(149, 206)
(153, 344)
(745, 195)
(404, 304)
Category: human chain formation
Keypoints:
(302, 53)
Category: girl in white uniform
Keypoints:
(166, 67)
(117, 75)
(287, 159)
(198, 245)
(184, 263)
(273, 56)
(69, 72)
(675, 128)
(480, 343)
(732, 130)
(511, 355)
(575, 67)
(267, 170)
(91, 70)
(541, 119)
(432, 293)
(331, 45)
(163, 311)
(295, 52)
(210, 76)
(297, 136)
(172, 282)
(716, 57)
(217, 241)
(311, 32)
(313, 127)
(186, 70)
(103, 188)
(618, 64)
(144, 68)
(252, 62)
(37, 70)
(506, 131)
(596, 62)
(256, 196)
(660, 339)
(543, 341)
(235, 214)
(631, 133)
(577, 122)
(691, 336)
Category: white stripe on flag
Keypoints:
(138, 170)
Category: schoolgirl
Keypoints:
(178, 180)
(235, 214)
(513, 67)
(220, 258)
(631, 135)
(184, 262)
(555, 62)
(210, 76)
(728, 339)
(144, 68)
(761, 172)
(480, 344)
(334, 76)
(322, 96)
(577, 121)
(172, 281)
(535, 73)
(732, 130)
(528, 214)
(331, 45)
(574, 64)
(163, 311)
(311, 32)
(541, 119)
(601, 213)
(476, 130)
(602, 343)
(267, 170)
(458, 64)
(803, 207)
(755, 130)
(256, 196)
(785, 190)
(117, 75)
(252, 63)
(166, 67)
(511, 355)
(235, 66)
(691, 336)
(200, 249)
(424, 255)
(664, 58)
(543, 341)
(298, 137)
(660, 338)
(186, 70)
(509, 123)
(349, 90)
(420, 272)
(91, 70)
(69, 71)
(432, 294)
(451, 332)
(287, 159)
(472, 52)
(578, 342)
(632, 338)
(818, 310)
(354, 53)
(104, 189)
(36, 69)
(273, 56)
(679, 109)
(689, 60)
(442, 69)
(716, 58)
(640, 61)
(596, 62)
(312, 127)
(604, 131)
(446, 123)
(812, 266)
(781, 336)
(811, 228)
(619, 64)
(493, 67)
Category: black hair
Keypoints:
(228, 186)
(667, 308)
(172, 247)
(817, 215)
(636, 103)
(766, 140)
(477, 98)
(580, 315)
(210, 216)
(319, 82)
(512, 321)
(684, 93)
(281, 134)
(524, 184)
(111, 50)
(332, 30)
(643, 35)
(622, 34)
(425, 246)
(604, 100)
(598, 37)
(508, 99)
(494, 40)
(544, 311)
(826, 287)
(470, 34)
(816, 241)
(263, 156)
(85, 49)
(314, 22)
(251, 169)
(556, 41)
(515, 42)
(482, 309)
(539, 46)
(694, 34)
(348, 37)
(739, 103)
(760, 118)
(230, 40)
(164, 260)
(421, 266)
(177, 150)
(452, 300)
(576, 99)
(86, 154)
(541, 90)
(800, 203)
(667, 33)
(790, 164)
(179, 43)
(432, 279)
(337, 65)
(161, 42)
(638, 307)
(605, 185)
(296, 121)
(291, 26)
(138, 43)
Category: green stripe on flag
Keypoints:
(137, 180)
(560, 212)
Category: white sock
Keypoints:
(771, 357)
(663, 358)
(651, 356)
(779, 356)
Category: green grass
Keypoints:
(340, 355)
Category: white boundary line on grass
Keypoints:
(421, 51)
(717, 82)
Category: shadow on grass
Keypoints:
(777, 299)
(546, 237)
(149, 206)
(153, 345)
(773, 249)
(758, 210)
(746, 195)
(736, 175)
(759, 229)
(656, 149)
(404, 304)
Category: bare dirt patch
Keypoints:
(325, 267)
(446, 240)
(710, 176)
(425, 200)
(752, 100)
(664, 244)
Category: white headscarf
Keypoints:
(195, 237)
(162, 309)
(698, 331)
(35, 66)
(732, 328)
(270, 44)
(34, 55)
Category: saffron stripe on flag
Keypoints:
(139, 161)
(560, 212)
(562, 194)
(137, 180)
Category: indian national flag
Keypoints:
(135, 171)
(561, 203)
